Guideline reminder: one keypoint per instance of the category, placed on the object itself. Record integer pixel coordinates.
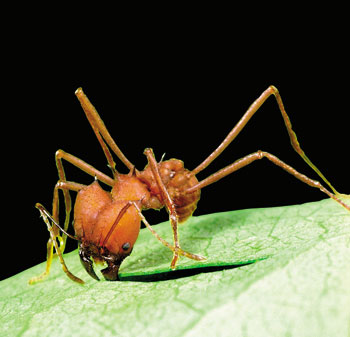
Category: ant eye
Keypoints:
(126, 246)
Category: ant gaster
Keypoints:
(107, 224)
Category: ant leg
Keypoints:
(168, 203)
(259, 155)
(101, 131)
(244, 120)
(65, 186)
(111, 272)
(54, 230)
(44, 214)
(49, 256)
(60, 154)
(164, 242)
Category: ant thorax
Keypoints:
(177, 180)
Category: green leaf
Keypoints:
(291, 278)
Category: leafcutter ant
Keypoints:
(107, 223)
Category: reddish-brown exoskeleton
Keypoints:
(107, 224)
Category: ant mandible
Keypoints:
(107, 224)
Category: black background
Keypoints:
(178, 93)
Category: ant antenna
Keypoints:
(43, 210)
(119, 216)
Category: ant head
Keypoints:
(102, 255)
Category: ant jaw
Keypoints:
(111, 272)
(87, 263)
(113, 261)
(86, 251)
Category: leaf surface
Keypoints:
(281, 271)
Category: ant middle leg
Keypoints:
(168, 202)
(259, 155)
(271, 90)
(178, 250)
(101, 132)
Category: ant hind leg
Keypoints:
(238, 164)
(271, 90)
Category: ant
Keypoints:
(107, 224)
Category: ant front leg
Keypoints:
(46, 215)
(55, 233)
(65, 186)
